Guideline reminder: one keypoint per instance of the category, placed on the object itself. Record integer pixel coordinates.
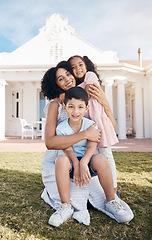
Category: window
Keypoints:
(128, 105)
(56, 51)
(16, 104)
(42, 103)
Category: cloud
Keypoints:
(122, 27)
(118, 25)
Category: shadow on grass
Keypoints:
(133, 161)
(24, 213)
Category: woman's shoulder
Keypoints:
(52, 104)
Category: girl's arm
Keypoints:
(92, 87)
(62, 142)
(97, 93)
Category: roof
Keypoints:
(55, 42)
(145, 63)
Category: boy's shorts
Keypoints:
(92, 172)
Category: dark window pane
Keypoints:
(17, 95)
(17, 109)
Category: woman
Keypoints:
(55, 82)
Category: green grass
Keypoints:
(24, 215)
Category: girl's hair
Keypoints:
(89, 64)
(49, 87)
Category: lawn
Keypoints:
(24, 215)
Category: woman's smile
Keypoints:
(70, 84)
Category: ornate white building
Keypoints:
(127, 84)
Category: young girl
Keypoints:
(86, 75)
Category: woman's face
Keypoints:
(64, 79)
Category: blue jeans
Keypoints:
(92, 172)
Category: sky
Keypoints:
(121, 26)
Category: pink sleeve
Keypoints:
(91, 78)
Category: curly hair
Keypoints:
(49, 87)
(89, 64)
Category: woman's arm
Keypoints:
(96, 92)
(61, 142)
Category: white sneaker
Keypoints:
(118, 211)
(64, 212)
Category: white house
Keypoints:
(127, 84)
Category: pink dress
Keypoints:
(96, 113)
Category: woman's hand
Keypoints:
(93, 134)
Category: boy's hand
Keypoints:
(76, 175)
(84, 173)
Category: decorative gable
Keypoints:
(55, 42)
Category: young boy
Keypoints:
(80, 161)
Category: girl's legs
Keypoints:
(102, 167)
(62, 168)
(107, 152)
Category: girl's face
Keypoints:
(78, 67)
(64, 79)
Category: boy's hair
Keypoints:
(77, 93)
(48, 83)
(89, 64)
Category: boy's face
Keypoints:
(76, 109)
(78, 67)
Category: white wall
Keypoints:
(150, 104)
(29, 106)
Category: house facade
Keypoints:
(127, 84)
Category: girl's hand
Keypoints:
(93, 134)
(84, 174)
(61, 98)
(97, 93)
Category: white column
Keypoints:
(121, 109)
(2, 109)
(108, 83)
(146, 112)
(139, 111)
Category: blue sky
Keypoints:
(118, 25)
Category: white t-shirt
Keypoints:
(64, 129)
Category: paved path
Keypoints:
(13, 144)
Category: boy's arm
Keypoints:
(71, 154)
(84, 169)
